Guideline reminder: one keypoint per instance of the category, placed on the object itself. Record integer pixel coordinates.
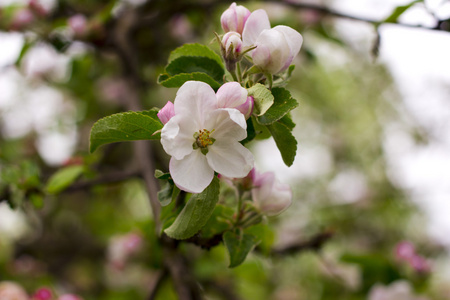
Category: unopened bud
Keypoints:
(247, 108)
(234, 18)
(79, 25)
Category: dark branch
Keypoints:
(315, 243)
(104, 179)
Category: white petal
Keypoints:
(275, 51)
(195, 99)
(294, 40)
(255, 24)
(231, 95)
(192, 173)
(230, 158)
(177, 136)
(228, 123)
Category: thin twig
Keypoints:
(104, 179)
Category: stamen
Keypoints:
(203, 139)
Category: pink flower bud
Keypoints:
(79, 25)
(420, 264)
(269, 195)
(43, 294)
(22, 18)
(247, 108)
(233, 95)
(11, 290)
(232, 43)
(234, 18)
(405, 250)
(166, 113)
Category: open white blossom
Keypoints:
(202, 138)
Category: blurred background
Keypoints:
(371, 178)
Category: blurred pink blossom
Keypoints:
(12, 291)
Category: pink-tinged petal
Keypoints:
(177, 136)
(232, 38)
(230, 158)
(228, 123)
(234, 18)
(255, 24)
(272, 51)
(192, 173)
(294, 40)
(247, 108)
(166, 113)
(231, 95)
(195, 99)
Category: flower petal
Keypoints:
(272, 51)
(195, 99)
(230, 158)
(192, 173)
(177, 136)
(255, 24)
(231, 95)
(228, 123)
(275, 201)
(294, 40)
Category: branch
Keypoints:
(104, 179)
(315, 243)
(330, 12)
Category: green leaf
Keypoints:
(161, 175)
(287, 121)
(195, 50)
(265, 234)
(179, 79)
(63, 178)
(263, 98)
(168, 193)
(285, 141)
(239, 245)
(398, 11)
(261, 131)
(283, 103)
(196, 64)
(196, 213)
(127, 126)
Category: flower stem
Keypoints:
(239, 73)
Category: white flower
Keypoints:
(398, 290)
(233, 19)
(275, 48)
(203, 138)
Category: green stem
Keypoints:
(269, 79)
(239, 206)
(234, 76)
(239, 73)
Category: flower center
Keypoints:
(203, 140)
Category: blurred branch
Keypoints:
(104, 179)
(315, 243)
(330, 12)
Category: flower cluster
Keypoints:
(406, 252)
(275, 47)
(12, 291)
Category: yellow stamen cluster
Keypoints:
(203, 140)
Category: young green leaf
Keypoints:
(195, 64)
(178, 80)
(263, 98)
(219, 221)
(127, 126)
(250, 132)
(239, 245)
(398, 11)
(195, 50)
(63, 178)
(196, 213)
(285, 141)
(283, 103)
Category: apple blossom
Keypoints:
(275, 48)
(234, 18)
(166, 112)
(269, 195)
(69, 297)
(79, 25)
(43, 294)
(202, 138)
